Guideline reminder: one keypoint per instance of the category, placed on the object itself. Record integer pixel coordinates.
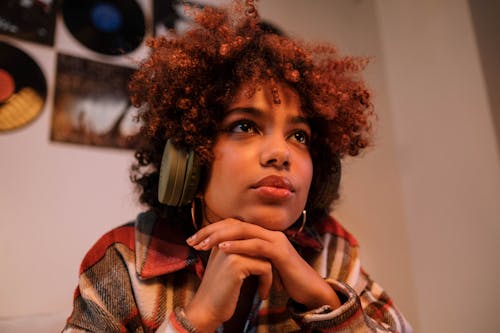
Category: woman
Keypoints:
(257, 123)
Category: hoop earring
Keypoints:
(194, 214)
(304, 220)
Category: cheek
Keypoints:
(227, 163)
(224, 171)
(306, 170)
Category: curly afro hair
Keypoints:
(189, 79)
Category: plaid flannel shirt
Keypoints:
(136, 275)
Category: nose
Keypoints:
(275, 152)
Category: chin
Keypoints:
(271, 220)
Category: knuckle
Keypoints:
(281, 237)
(258, 247)
(233, 261)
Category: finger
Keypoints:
(202, 237)
(254, 247)
(277, 283)
(251, 266)
(225, 230)
(264, 271)
(265, 283)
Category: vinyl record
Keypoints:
(30, 20)
(111, 27)
(22, 88)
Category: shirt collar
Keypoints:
(161, 248)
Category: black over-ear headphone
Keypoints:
(179, 176)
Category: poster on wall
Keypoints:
(29, 20)
(91, 104)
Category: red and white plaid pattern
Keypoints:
(137, 274)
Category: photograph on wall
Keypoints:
(91, 104)
(29, 20)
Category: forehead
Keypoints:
(267, 97)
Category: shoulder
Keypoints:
(124, 235)
(339, 258)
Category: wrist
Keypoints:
(200, 320)
(325, 295)
(331, 298)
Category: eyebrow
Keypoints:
(260, 114)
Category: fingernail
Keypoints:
(191, 239)
(224, 245)
(202, 244)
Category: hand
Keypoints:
(216, 299)
(233, 237)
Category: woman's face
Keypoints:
(262, 168)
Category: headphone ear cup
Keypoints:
(191, 179)
(179, 176)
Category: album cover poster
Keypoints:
(91, 104)
(23, 88)
(29, 20)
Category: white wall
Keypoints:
(412, 201)
(448, 162)
(55, 199)
(486, 19)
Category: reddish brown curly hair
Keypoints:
(189, 79)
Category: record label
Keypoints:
(110, 27)
(22, 88)
(7, 85)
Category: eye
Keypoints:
(301, 137)
(243, 126)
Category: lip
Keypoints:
(274, 189)
(276, 182)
